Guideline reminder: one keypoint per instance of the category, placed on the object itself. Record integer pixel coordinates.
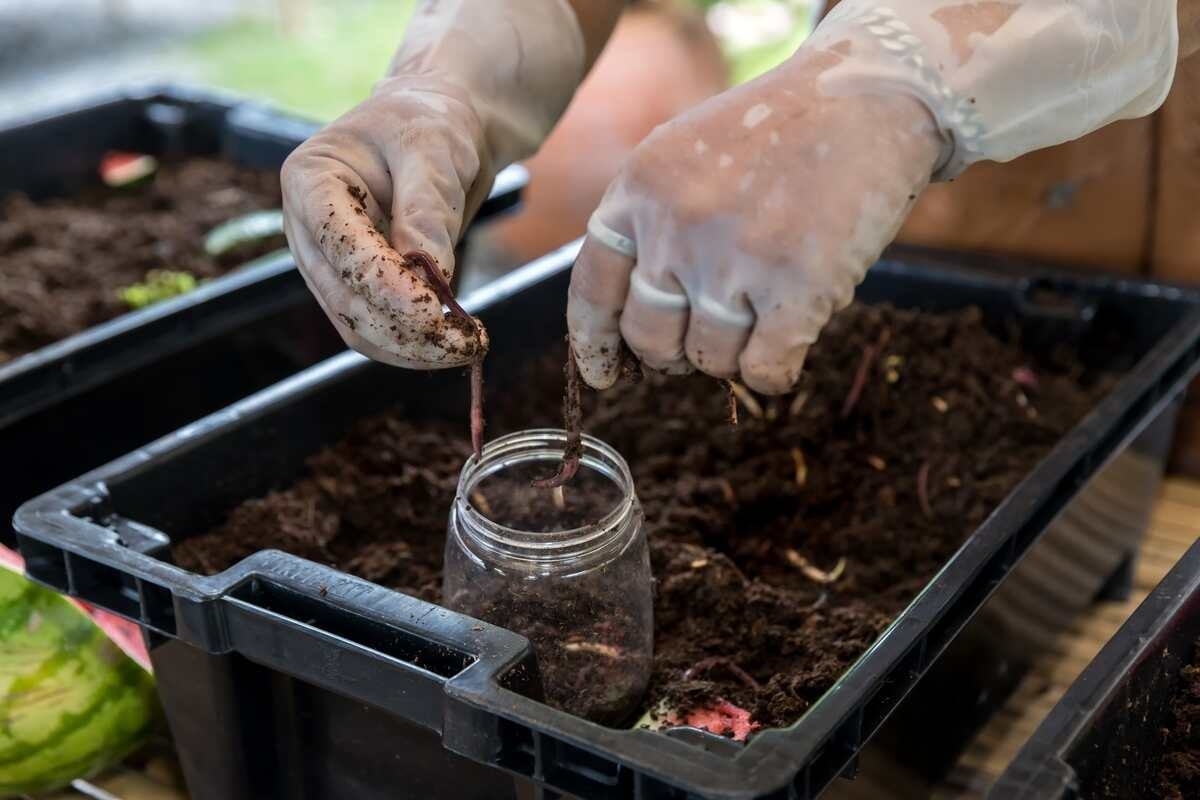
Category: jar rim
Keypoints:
(544, 547)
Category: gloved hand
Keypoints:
(735, 231)
(750, 219)
(474, 87)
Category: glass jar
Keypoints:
(568, 568)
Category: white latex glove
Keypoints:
(1006, 78)
(735, 231)
(751, 218)
(474, 87)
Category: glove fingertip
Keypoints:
(599, 365)
(771, 373)
(461, 339)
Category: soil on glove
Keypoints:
(1179, 767)
(63, 261)
(781, 548)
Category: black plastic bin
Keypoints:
(287, 679)
(87, 399)
(1105, 735)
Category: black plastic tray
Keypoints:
(1105, 733)
(284, 678)
(89, 398)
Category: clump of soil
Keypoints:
(63, 261)
(375, 505)
(781, 548)
(1179, 766)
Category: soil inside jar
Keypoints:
(586, 631)
(906, 431)
(63, 261)
(586, 640)
(511, 499)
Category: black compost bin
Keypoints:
(1105, 737)
(286, 679)
(87, 399)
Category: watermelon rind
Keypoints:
(247, 229)
(71, 703)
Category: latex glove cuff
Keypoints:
(518, 61)
(901, 63)
(1003, 80)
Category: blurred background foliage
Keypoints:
(320, 57)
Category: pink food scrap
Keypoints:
(722, 718)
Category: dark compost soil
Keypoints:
(63, 261)
(781, 548)
(1179, 767)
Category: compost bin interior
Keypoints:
(1179, 762)
(107, 537)
(63, 261)
(81, 381)
(1145, 742)
(1129, 726)
(104, 385)
(871, 488)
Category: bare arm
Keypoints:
(597, 18)
(1189, 27)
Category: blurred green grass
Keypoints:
(748, 64)
(320, 72)
(331, 65)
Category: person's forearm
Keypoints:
(597, 19)
(1189, 27)
(1004, 79)
(518, 62)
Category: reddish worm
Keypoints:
(444, 294)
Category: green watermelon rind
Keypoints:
(71, 703)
